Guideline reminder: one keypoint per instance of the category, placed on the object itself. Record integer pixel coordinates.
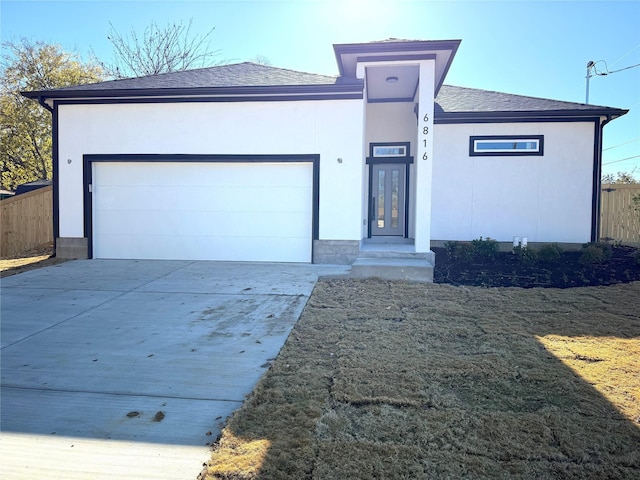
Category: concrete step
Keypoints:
(398, 254)
(411, 269)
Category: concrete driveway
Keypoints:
(129, 369)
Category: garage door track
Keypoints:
(128, 369)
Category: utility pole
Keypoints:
(590, 65)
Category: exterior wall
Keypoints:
(330, 128)
(544, 198)
(389, 122)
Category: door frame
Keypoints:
(395, 160)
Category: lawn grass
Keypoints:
(393, 380)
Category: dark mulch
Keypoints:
(509, 270)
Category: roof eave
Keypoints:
(400, 46)
(534, 115)
(196, 91)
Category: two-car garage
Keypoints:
(232, 208)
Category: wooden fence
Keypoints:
(619, 220)
(27, 221)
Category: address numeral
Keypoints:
(425, 131)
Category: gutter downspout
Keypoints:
(42, 102)
(54, 156)
(597, 180)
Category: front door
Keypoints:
(387, 199)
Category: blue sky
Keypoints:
(536, 48)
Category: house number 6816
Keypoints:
(425, 131)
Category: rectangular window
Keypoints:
(389, 151)
(501, 145)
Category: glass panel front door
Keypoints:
(388, 199)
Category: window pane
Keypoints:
(506, 145)
(380, 206)
(395, 175)
(390, 151)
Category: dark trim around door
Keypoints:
(371, 161)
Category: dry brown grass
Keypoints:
(35, 258)
(391, 380)
(611, 365)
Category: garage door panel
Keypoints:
(203, 211)
(265, 199)
(204, 248)
(147, 198)
(224, 224)
(192, 175)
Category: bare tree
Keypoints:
(159, 50)
(261, 60)
(625, 178)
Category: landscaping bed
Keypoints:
(479, 263)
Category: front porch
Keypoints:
(393, 259)
(401, 79)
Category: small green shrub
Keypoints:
(606, 248)
(462, 251)
(550, 253)
(596, 252)
(450, 249)
(525, 255)
(485, 248)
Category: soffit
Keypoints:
(378, 56)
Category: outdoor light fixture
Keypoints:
(392, 79)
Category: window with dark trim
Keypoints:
(389, 149)
(506, 145)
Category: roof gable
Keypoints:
(350, 55)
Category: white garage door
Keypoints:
(202, 211)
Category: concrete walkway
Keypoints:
(129, 369)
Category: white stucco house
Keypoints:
(256, 163)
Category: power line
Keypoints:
(625, 68)
(607, 71)
(620, 144)
(592, 64)
(626, 54)
(621, 160)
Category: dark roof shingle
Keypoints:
(245, 74)
(452, 99)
